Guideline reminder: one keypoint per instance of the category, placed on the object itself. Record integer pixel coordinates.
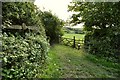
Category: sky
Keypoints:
(57, 7)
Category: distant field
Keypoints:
(77, 36)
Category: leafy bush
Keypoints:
(23, 56)
(19, 12)
(105, 44)
(53, 25)
(103, 22)
(24, 53)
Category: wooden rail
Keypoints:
(71, 42)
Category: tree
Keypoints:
(102, 21)
(99, 15)
(52, 25)
(19, 12)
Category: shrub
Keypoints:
(23, 55)
(53, 26)
(105, 44)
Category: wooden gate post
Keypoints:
(59, 39)
(73, 41)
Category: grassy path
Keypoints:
(66, 62)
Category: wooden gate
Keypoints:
(75, 43)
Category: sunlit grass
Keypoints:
(77, 36)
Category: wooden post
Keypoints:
(74, 42)
(78, 46)
(59, 39)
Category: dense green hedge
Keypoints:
(24, 48)
(104, 43)
(53, 26)
(23, 55)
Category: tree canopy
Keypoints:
(96, 14)
(52, 25)
(19, 12)
(102, 23)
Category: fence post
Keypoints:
(73, 41)
(78, 46)
(59, 39)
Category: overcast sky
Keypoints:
(58, 7)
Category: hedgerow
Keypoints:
(24, 49)
(23, 55)
(102, 23)
(104, 44)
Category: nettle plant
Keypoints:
(23, 57)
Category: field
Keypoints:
(77, 36)
(66, 62)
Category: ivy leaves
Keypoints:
(19, 12)
(23, 57)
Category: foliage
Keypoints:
(19, 12)
(104, 46)
(24, 53)
(23, 56)
(52, 25)
(95, 15)
(102, 22)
